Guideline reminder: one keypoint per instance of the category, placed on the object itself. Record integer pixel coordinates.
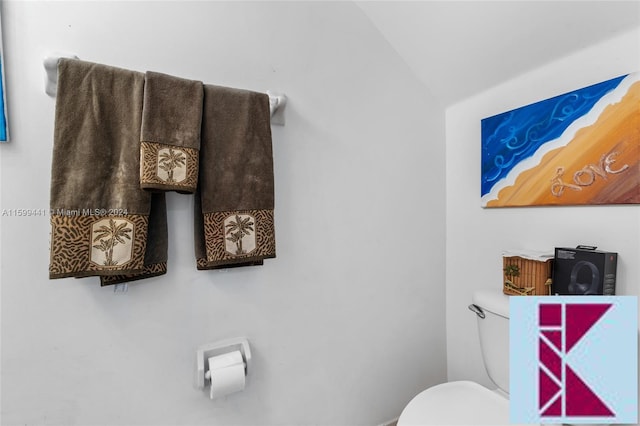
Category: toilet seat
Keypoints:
(456, 403)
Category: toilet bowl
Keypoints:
(460, 403)
(466, 402)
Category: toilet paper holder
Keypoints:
(209, 350)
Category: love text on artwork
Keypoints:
(587, 175)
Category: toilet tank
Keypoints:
(494, 334)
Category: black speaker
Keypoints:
(584, 271)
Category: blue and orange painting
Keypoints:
(4, 129)
(578, 148)
(4, 136)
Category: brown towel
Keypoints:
(155, 256)
(100, 216)
(234, 223)
(170, 135)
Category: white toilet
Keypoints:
(465, 402)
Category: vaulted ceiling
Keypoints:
(459, 48)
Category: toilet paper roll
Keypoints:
(226, 372)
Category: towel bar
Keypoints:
(277, 101)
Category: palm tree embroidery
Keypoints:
(110, 236)
(171, 160)
(238, 230)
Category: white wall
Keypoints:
(476, 237)
(346, 325)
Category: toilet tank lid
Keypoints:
(493, 301)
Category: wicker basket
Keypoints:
(533, 277)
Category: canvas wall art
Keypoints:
(4, 129)
(578, 148)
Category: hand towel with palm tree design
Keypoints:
(234, 222)
(170, 135)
